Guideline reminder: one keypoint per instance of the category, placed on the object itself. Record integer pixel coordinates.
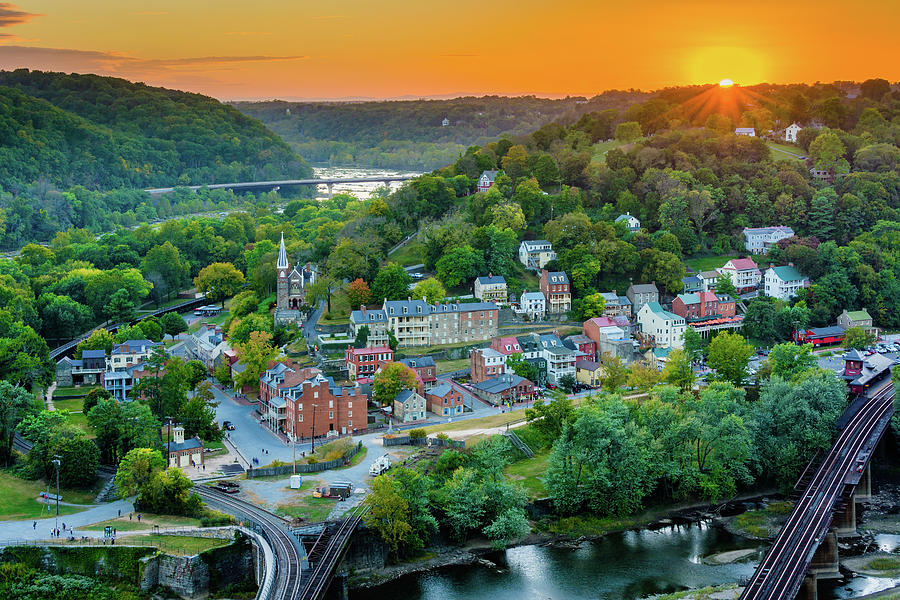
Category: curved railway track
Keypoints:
(784, 567)
(321, 574)
(288, 557)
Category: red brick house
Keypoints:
(582, 343)
(317, 406)
(485, 363)
(363, 362)
(555, 287)
(445, 400)
(425, 370)
(507, 345)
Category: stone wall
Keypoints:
(367, 552)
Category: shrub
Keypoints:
(416, 434)
(443, 436)
(214, 518)
(312, 460)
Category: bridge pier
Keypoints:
(825, 563)
(845, 519)
(330, 189)
(810, 588)
(387, 184)
(864, 487)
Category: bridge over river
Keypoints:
(256, 186)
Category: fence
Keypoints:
(305, 467)
(405, 440)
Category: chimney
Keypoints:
(790, 264)
(490, 275)
(615, 293)
(362, 309)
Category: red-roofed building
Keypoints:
(363, 362)
(744, 274)
(506, 345)
(591, 327)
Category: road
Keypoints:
(24, 530)
(782, 570)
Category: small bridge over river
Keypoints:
(265, 186)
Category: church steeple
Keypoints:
(282, 255)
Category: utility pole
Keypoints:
(294, 443)
(313, 450)
(57, 463)
(168, 441)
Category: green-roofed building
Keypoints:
(857, 318)
(784, 282)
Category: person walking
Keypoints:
(34, 525)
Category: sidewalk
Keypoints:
(24, 530)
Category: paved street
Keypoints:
(24, 530)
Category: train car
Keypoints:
(820, 336)
(862, 372)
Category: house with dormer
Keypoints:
(557, 293)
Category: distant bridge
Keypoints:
(249, 186)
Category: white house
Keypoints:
(533, 304)
(445, 122)
(491, 288)
(784, 282)
(666, 328)
(747, 131)
(743, 272)
(758, 240)
(409, 406)
(560, 358)
(535, 254)
(630, 220)
(486, 180)
(791, 131)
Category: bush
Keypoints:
(416, 434)
(312, 460)
(443, 436)
(214, 518)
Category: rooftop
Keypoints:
(742, 264)
(491, 279)
(644, 288)
(588, 365)
(442, 389)
(859, 315)
(500, 384)
(787, 273)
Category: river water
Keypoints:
(621, 566)
(360, 190)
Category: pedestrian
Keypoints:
(120, 512)
(64, 524)
(34, 525)
(129, 516)
(114, 532)
(139, 517)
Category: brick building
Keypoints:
(363, 362)
(445, 400)
(555, 287)
(486, 363)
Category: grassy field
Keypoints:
(148, 520)
(80, 391)
(764, 522)
(600, 149)
(340, 310)
(177, 544)
(79, 420)
(19, 499)
(313, 510)
(497, 420)
(527, 473)
(707, 263)
(779, 150)
(73, 405)
(412, 253)
(448, 366)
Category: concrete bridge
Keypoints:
(806, 548)
(256, 186)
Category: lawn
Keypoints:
(528, 473)
(707, 263)
(357, 458)
(313, 510)
(177, 544)
(19, 499)
(448, 366)
(497, 420)
(80, 421)
(340, 310)
(217, 320)
(601, 148)
(412, 253)
(779, 152)
(72, 405)
(148, 520)
(80, 391)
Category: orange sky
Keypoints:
(394, 48)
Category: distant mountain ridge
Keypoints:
(105, 133)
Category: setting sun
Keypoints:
(726, 83)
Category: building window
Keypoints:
(331, 404)
(300, 407)
(315, 394)
(300, 418)
(349, 413)
(330, 414)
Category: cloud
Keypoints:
(11, 15)
(120, 65)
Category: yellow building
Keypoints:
(588, 372)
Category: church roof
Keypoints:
(282, 255)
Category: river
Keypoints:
(620, 566)
(360, 190)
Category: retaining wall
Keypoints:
(304, 468)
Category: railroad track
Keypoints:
(21, 444)
(319, 577)
(288, 558)
(784, 567)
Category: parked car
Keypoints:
(227, 425)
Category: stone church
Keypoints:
(291, 289)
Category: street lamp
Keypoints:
(313, 449)
(56, 463)
(169, 441)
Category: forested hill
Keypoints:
(104, 133)
(410, 134)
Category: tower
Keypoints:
(282, 268)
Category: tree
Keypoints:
(164, 262)
(388, 513)
(79, 457)
(169, 492)
(643, 377)
(358, 294)
(100, 339)
(517, 364)
(875, 89)
(255, 354)
(693, 344)
(430, 290)
(173, 324)
(457, 266)
(679, 371)
(725, 286)
(789, 360)
(664, 268)
(858, 338)
(135, 470)
(391, 283)
(759, 321)
(567, 382)
(628, 131)
(198, 415)
(362, 337)
(549, 419)
(93, 397)
(195, 372)
(15, 404)
(219, 281)
(615, 373)
(242, 328)
(62, 317)
(151, 328)
(508, 215)
(392, 378)
(510, 525)
(729, 355)
(120, 308)
(827, 153)
(591, 306)
(244, 304)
